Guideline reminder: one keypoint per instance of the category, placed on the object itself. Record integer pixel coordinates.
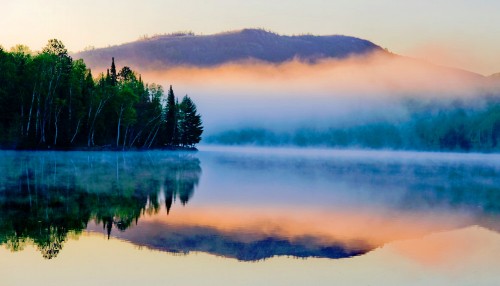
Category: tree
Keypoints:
(80, 92)
(21, 49)
(190, 124)
(113, 76)
(53, 67)
(125, 101)
(9, 101)
(171, 119)
(149, 116)
(55, 47)
(125, 75)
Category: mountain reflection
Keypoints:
(44, 197)
(244, 243)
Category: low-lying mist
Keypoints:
(336, 102)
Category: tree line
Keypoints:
(50, 101)
(434, 126)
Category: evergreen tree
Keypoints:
(190, 124)
(113, 75)
(170, 119)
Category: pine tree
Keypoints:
(170, 118)
(113, 72)
(190, 124)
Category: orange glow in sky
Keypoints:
(464, 33)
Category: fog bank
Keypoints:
(325, 94)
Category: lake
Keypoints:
(249, 216)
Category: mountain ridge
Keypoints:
(187, 49)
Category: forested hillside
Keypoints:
(187, 49)
(50, 101)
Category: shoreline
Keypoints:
(103, 149)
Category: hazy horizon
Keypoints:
(331, 92)
(459, 34)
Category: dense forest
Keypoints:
(437, 125)
(50, 101)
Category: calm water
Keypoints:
(243, 216)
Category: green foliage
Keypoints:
(50, 101)
(183, 125)
(171, 119)
(55, 47)
(189, 123)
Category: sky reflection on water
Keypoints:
(248, 204)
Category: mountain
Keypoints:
(187, 49)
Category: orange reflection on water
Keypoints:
(447, 251)
(371, 227)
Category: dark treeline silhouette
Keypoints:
(45, 198)
(48, 100)
(437, 126)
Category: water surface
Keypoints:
(354, 216)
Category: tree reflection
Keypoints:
(44, 197)
(181, 183)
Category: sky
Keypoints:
(460, 33)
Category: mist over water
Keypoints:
(329, 93)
